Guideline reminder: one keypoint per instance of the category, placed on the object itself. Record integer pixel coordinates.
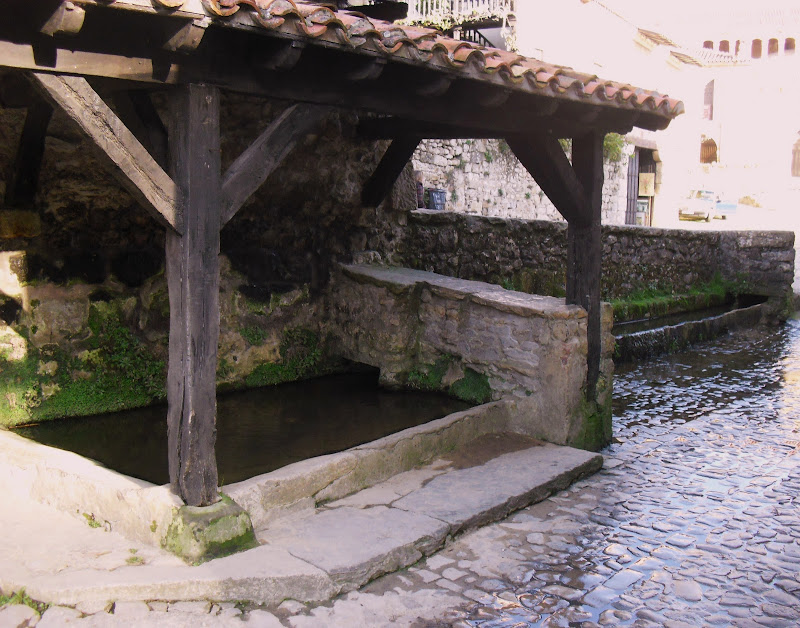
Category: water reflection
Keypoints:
(257, 430)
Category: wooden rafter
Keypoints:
(133, 166)
(265, 154)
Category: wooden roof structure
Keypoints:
(410, 83)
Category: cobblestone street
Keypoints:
(694, 521)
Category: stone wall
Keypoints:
(484, 178)
(478, 342)
(531, 255)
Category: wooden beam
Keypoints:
(137, 112)
(189, 36)
(545, 160)
(66, 20)
(263, 156)
(130, 162)
(389, 168)
(24, 180)
(284, 57)
(585, 247)
(193, 282)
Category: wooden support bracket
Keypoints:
(264, 155)
(131, 164)
(24, 180)
(545, 160)
(188, 38)
(138, 113)
(389, 168)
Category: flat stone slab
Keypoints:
(465, 498)
(353, 545)
(266, 575)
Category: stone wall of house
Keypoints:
(530, 255)
(484, 178)
(478, 342)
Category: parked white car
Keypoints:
(705, 205)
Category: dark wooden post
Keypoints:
(193, 278)
(24, 181)
(585, 247)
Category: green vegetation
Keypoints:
(488, 155)
(473, 387)
(614, 147)
(254, 334)
(659, 300)
(115, 371)
(301, 358)
(20, 597)
(91, 521)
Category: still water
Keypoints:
(257, 430)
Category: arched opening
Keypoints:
(772, 47)
(755, 49)
(796, 159)
(708, 101)
(724, 46)
(708, 152)
(708, 44)
(788, 47)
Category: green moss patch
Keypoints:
(472, 387)
(302, 357)
(115, 372)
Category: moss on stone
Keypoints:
(473, 388)
(302, 357)
(116, 372)
(596, 427)
(198, 534)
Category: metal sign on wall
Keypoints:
(647, 184)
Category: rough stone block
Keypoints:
(200, 533)
(19, 224)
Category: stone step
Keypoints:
(345, 544)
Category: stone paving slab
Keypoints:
(466, 498)
(265, 574)
(354, 545)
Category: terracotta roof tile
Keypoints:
(316, 20)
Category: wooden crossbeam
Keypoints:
(391, 165)
(130, 162)
(265, 154)
(24, 180)
(193, 282)
(545, 160)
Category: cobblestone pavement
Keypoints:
(694, 521)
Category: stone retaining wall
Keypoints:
(530, 255)
(479, 342)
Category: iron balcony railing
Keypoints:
(447, 13)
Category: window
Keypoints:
(708, 152)
(788, 47)
(708, 44)
(755, 49)
(796, 159)
(772, 47)
(708, 101)
(724, 46)
(738, 46)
